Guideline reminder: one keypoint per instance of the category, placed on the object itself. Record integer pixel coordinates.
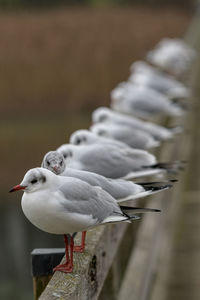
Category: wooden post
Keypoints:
(42, 263)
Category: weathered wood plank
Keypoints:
(145, 258)
(90, 268)
(161, 287)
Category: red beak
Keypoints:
(17, 188)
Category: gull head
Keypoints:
(100, 130)
(83, 137)
(119, 92)
(101, 114)
(34, 180)
(54, 161)
(141, 66)
(67, 150)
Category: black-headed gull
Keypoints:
(142, 101)
(172, 55)
(114, 162)
(86, 137)
(114, 134)
(106, 116)
(145, 74)
(65, 205)
(135, 138)
(119, 189)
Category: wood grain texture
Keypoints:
(90, 267)
(154, 234)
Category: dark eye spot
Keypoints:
(78, 141)
(64, 155)
(48, 163)
(101, 132)
(43, 179)
(33, 181)
(102, 118)
(61, 163)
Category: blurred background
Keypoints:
(57, 64)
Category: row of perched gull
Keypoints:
(82, 184)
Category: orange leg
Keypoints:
(81, 247)
(67, 267)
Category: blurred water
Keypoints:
(18, 236)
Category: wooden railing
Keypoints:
(123, 261)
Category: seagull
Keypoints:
(119, 189)
(142, 101)
(160, 84)
(86, 137)
(135, 138)
(178, 45)
(108, 116)
(114, 162)
(145, 74)
(172, 55)
(66, 205)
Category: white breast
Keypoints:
(48, 214)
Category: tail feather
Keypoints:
(181, 103)
(150, 188)
(128, 214)
(127, 210)
(155, 186)
(142, 173)
(170, 167)
(157, 182)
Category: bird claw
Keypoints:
(79, 248)
(65, 268)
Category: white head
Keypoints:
(141, 67)
(100, 129)
(83, 137)
(67, 150)
(54, 161)
(101, 114)
(119, 91)
(34, 180)
(116, 103)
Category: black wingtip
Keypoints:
(127, 209)
(157, 210)
(173, 180)
(170, 167)
(157, 185)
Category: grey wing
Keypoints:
(138, 158)
(91, 178)
(120, 188)
(159, 132)
(137, 138)
(115, 187)
(150, 106)
(81, 198)
(106, 160)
